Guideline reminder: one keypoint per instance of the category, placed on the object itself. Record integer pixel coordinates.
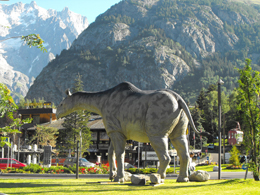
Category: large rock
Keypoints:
(156, 178)
(127, 176)
(139, 179)
(199, 176)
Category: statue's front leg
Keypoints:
(111, 161)
(119, 142)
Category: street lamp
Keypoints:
(77, 165)
(220, 82)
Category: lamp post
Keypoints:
(220, 82)
(77, 165)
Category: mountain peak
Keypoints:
(57, 32)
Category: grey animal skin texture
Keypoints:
(132, 114)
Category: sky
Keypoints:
(89, 8)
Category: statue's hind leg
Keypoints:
(181, 145)
(179, 141)
(160, 145)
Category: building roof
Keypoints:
(95, 122)
(37, 111)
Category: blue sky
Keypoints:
(89, 8)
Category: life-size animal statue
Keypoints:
(132, 114)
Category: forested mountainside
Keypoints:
(183, 45)
(19, 64)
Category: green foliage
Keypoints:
(234, 156)
(7, 103)
(247, 99)
(45, 135)
(75, 125)
(117, 18)
(7, 107)
(34, 40)
(31, 40)
(198, 120)
(40, 103)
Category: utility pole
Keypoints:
(220, 82)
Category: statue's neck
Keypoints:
(92, 102)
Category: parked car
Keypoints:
(70, 161)
(12, 162)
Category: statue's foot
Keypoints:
(120, 180)
(162, 180)
(112, 176)
(182, 179)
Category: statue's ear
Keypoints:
(68, 93)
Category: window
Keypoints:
(3, 161)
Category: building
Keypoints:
(47, 117)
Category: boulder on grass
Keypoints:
(155, 178)
(199, 176)
(127, 176)
(139, 179)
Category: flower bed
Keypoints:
(33, 168)
(104, 169)
(234, 167)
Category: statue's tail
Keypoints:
(185, 108)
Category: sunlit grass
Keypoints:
(90, 186)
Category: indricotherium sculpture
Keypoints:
(132, 114)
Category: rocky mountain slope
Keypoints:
(19, 64)
(181, 45)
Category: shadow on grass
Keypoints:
(94, 187)
(25, 185)
(172, 186)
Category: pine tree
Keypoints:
(75, 125)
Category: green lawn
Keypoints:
(90, 186)
(209, 168)
(223, 166)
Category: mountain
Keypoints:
(183, 45)
(19, 64)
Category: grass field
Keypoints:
(90, 186)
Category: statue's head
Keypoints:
(64, 108)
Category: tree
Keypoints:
(234, 156)
(31, 40)
(196, 115)
(7, 107)
(45, 135)
(75, 125)
(209, 104)
(247, 98)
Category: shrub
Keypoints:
(234, 156)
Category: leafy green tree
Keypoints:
(234, 156)
(247, 98)
(75, 125)
(32, 40)
(45, 135)
(7, 107)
